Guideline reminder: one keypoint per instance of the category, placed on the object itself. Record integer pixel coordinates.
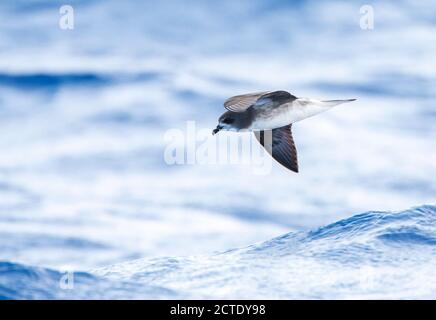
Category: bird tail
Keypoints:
(332, 103)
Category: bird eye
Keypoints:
(228, 120)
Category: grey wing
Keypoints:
(280, 145)
(273, 99)
(242, 102)
(258, 100)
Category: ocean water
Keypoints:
(85, 193)
(368, 256)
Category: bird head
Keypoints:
(226, 122)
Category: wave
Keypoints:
(52, 81)
(370, 255)
(18, 281)
(47, 80)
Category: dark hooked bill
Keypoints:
(215, 131)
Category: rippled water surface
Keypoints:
(84, 185)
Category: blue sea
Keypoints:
(90, 209)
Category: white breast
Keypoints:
(288, 113)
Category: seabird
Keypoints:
(270, 116)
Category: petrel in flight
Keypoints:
(270, 116)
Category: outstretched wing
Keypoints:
(280, 145)
(243, 102)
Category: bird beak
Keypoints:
(215, 131)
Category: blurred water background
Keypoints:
(83, 114)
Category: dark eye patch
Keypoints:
(228, 120)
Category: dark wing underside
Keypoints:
(257, 100)
(280, 145)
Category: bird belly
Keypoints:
(269, 123)
(285, 115)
